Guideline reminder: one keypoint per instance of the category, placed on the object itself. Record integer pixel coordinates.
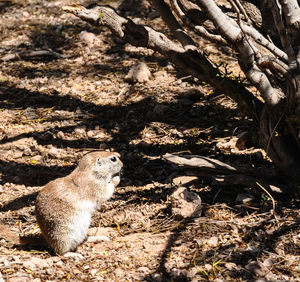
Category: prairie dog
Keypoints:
(64, 207)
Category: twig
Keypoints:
(241, 8)
(31, 54)
(273, 211)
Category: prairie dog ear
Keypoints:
(117, 154)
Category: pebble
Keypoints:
(230, 265)
(37, 263)
(19, 279)
(244, 198)
(80, 130)
(212, 242)
(139, 72)
(143, 269)
(87, 37)
(185, 203)
(54, 152)
(183, 180)
(60, 135)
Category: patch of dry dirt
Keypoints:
(52, 110)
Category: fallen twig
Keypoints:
(31, 54)
(224, 174)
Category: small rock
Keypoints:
(183, 180)
(144, 269)
(37, 263)
(208, 267)
(97, 239)
(87, 37)
(139, 72)
(185, 203)
(90, 134)
(60, 135)
(230, 266)
(54, 152)
(269, 262)
(50, 271)
(212, 242)
(73, 255)
(244, 198)
(253, 249)
(80, 130)
(19, 279)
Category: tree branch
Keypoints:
(211, 37)
(291, 11)
(285, 40)
(246, 52)
(202, 31)
(260, 39)
(163, 9)
(189, 60)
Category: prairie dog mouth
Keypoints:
(115, 179)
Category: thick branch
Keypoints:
(246, 52)
(211, 37)
(260, 39)
(223, 23)
(291, 12)
(200, 162)
(222, 173)
(186, 41)
(284, 37)
(191, 61)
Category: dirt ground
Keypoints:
(54, 109)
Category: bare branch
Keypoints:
(200, 162)
(246, 52)
(222, 173)
(176, 9)
(285, 40)
(173, 25)
(199, 29)
(31, 54)
(260, 39)
(291, 11)
(274, 64)
(222, 22)
(241, 8)
(191, 61)
(211, 37)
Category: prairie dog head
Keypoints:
(101, 165)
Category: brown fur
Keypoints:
(66, 201)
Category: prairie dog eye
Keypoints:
(113, 159)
